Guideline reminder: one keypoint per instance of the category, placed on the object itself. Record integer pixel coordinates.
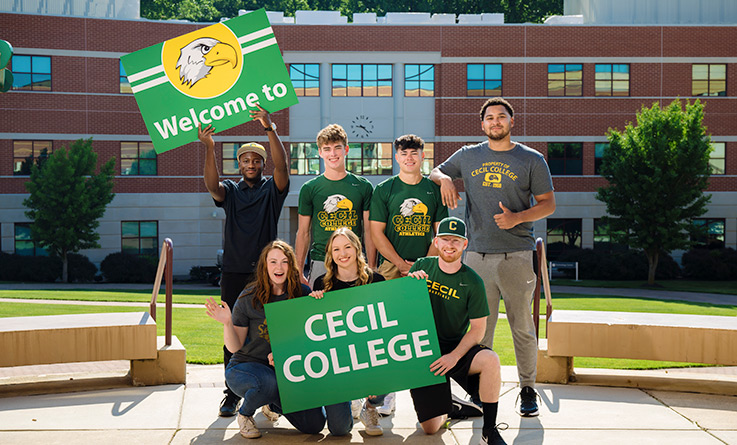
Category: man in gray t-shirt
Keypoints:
(501, 177)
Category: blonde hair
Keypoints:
(331, 133)
(261, 286)
(365, 274)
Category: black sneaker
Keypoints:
(528, 403)
(493, 437)
(463, 409)
(229, 405)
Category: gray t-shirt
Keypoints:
(511, 177)
(258, 346)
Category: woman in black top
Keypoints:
(346, 267)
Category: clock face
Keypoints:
(362, 127)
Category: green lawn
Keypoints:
(203, 337)
(178, 296)
(712, 287)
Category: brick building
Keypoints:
(569, 81)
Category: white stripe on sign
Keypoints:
(149, 84)
(259, 45)
(145, 73)
(255, 35)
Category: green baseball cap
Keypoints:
(452, 226)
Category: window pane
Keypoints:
(25, 248)
(718, 72)
(41, 82)
(147, 167)
(41, 65)
(148, 246)
(22, 231)
(339, 71)
(146, 150)
(130, 246)
(718, 151)
(700, 72)
(128, 150)
(21, 64)
(717, 166)
(700, 87)
(22, 149)
(21, 81)
(354, 72)
(385, 72)
(475, 72)
(129, 228)
(494, 71)
(128, 167)
(149, 228)
(411, 71)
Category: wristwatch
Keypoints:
(271, 127)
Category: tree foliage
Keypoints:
(67, 199)
(515, 11)
(657, 172)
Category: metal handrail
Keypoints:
(165, 269)
(542, 278)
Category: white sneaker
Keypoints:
(356, 406)
(370, 418)
(390, 404)
(269, 414)
(248, 427)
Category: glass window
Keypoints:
(603, 237)
(419, 80)
(305, 78)
(370, 158)
(31, 73)
(137, 158)
(709, 80)
(565, 158)
(429, 162)
(230, 163)
(139, 237)
(484, 79)
(563, 235)
(612, 80)
(710, 233)
(362, 80)
(25, 153)
(24, 243)
(718, 158)
(125, 86)
(599, 149)
(304, 158)
(565, 79)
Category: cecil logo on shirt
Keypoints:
(413, 219)
(205, 63)
(493, 172)
(337, 212)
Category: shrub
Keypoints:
(80, 268)
(15, 267)
(623, 265)
(710, 264)
(126, 268)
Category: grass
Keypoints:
(120, 295)
(712, 287)
(202, 336)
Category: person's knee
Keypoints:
(340, 430)
(432, 426)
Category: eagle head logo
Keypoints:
(412, 206)
(198, 58)
(337, 202)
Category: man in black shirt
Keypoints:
(252, 207)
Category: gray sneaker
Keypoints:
(370, 419)
(248, 427)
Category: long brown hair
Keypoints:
(261, 286)
(364, 272)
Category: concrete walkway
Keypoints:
(695, 297)
(186, 414)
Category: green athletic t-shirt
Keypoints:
(334, 204)
(455, 299)
(409, 212)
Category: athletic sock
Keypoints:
(490, 410)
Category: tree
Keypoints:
(67, 199)
(657, 172)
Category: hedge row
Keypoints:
(624, 265)
(710, 264)
(45, 268)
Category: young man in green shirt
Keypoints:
(334, 199)
(459, 307)
(405, 212)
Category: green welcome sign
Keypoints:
(210, 76)
(366, 340)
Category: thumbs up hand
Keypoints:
(507, 219)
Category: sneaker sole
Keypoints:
(374, 433)
(533, 414)
(251, 435)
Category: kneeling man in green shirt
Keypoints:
(458, 300)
